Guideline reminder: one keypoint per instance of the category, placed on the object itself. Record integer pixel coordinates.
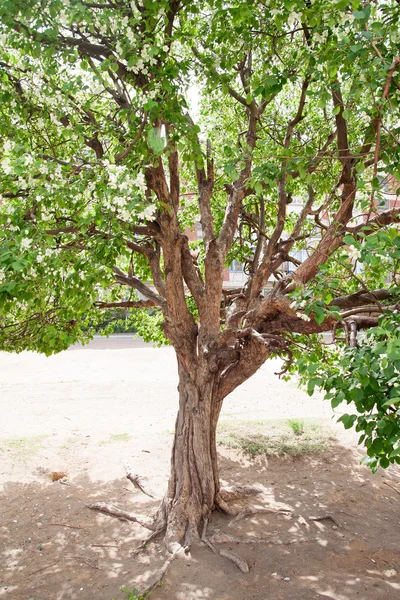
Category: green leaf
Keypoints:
(347, 420)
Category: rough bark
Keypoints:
(194, 481)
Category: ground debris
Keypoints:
(327, 518)
(236, 559)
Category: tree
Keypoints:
(100, 159)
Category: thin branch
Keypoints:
(133, 282)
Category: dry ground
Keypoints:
(87, 411)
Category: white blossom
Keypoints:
(26, 242)
(354, 253)
(148, 213)
(303, 316)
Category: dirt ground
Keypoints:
(87, 412)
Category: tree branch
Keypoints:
(135, 283)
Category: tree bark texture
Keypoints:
(194, 480)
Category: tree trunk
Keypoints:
(194, 481)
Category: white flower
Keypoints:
(39, 258)
(354, 253)
(148, 213)
(26, 242)
(303, 316)
(48, 252)
(165, 48)
(293, 17)
(6, 166)
(140, 182)
(130, 35)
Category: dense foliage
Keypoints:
(122, 124)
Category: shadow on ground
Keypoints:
(54, 548)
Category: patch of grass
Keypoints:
(133, 594)
(70, 441)
(116, 437)
(22, 447)
(297, 426)
(275, 437)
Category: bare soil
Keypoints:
(86, 412)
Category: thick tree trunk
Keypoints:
(194, 481)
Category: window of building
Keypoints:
(236, 267)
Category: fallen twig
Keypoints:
(237, 560)
(391, 486)
(104, 545)
(64, 525)
(138, 482)
(327, 518)
(121, 514)
(44, 568)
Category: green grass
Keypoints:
(116, 437)
(22, 447)
(296, 425)
(275, 437)
(133, 594)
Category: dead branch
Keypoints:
(138, 482)
(237, 560)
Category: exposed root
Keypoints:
(223, 506)
(121, 514)
(223, 538)
(144, 543)
(327, 518)
(237, 560)
(138, 482)
(248, 512)
(161, 573)
(237, 492)
(205, 539)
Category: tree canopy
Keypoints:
(106, 161)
